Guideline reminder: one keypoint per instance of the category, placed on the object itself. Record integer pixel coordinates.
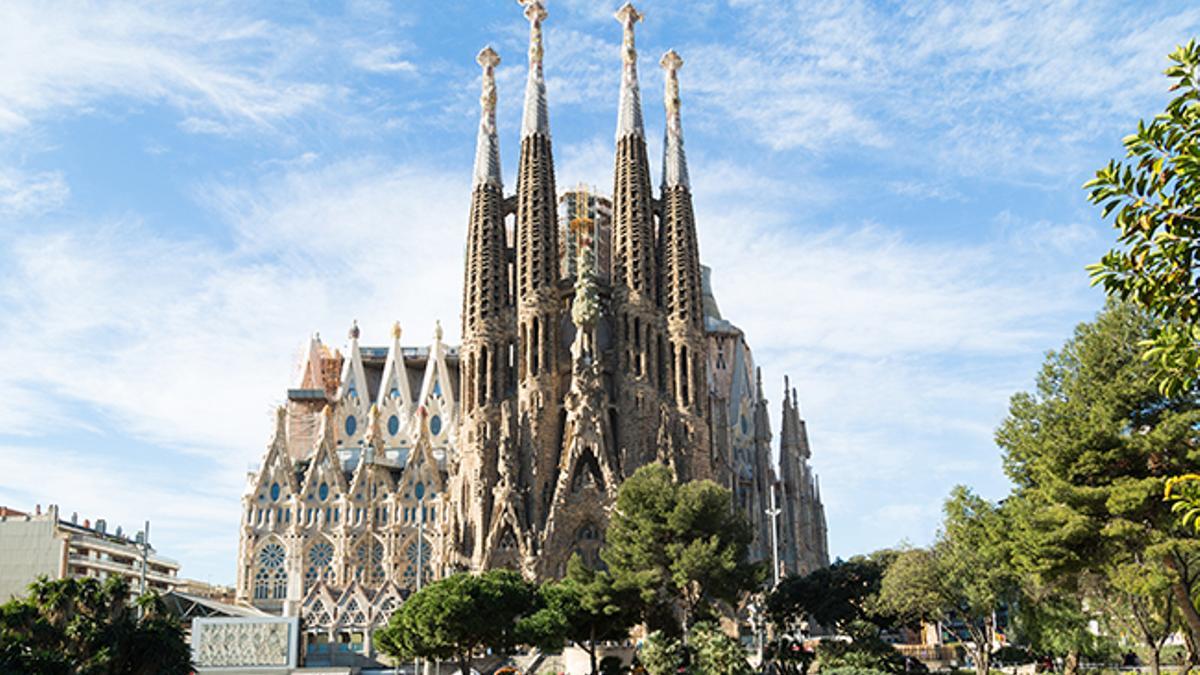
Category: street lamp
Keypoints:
(773, 513)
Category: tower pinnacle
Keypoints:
(535, 119)
(487, 145)
(629, 115)
(675, 171)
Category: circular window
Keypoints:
(393, 425)
(274, 491)
(271, 556)
(395, 393)
(435, 425)
(323, 491)
(420, 490)
(351, 425)
(321, 554)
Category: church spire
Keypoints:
(680, 278)
(675, 172)
(633, 231)
(537, 237)
(485, 292)
(535, 120)
(538, 300)
(629, 115)
(487, 145)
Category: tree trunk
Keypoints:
(1183, 599)
(1071, 662)
(464, 664)
(983, 658)
(1155, 660)
(592, 650)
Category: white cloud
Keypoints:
(384, 60)
(185, 345)
(222, 70)
(982, 87)
(25, 194)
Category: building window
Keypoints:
(320, 564)
(274, 492)
(393, 424)
(368, 562)
(270, 581)
(351, 425)
(411, 557)
(323, 491)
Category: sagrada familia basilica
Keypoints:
(591, 346)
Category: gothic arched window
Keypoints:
(319, 564)
(270, 581)
(368, 562)
(411, 553)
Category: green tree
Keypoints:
(662, 654)
(458, 616)
(1153, 195)
(865, 651)
(836, 596)
(844, 597)
(89, 627)
(716, 652)
(681, 547)
(586, 608)
(1055, 620)
(1135, 599)
(965, 574)
(1090, 450)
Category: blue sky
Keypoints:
(889, 194)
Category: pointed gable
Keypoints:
(395, 399)
(312, 375)
(371, 481)
(422, 469)
(353, 397)
(276, 479)
(324, 481)
(437, 393)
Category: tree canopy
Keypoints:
(458, 616)
(964, 575)
(88, 626)
(836, 596)
(584, 607)
(681, 547)
(1153, 195)
(1089, 452)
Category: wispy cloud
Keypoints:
(222, 68)
(25, 194)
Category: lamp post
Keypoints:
(773, 513)
(420, 492)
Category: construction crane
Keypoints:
(581, 224)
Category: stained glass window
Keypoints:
(368, 562)
(393, 425)
(270, 581)
(435, 425)
(274, 491)
(320, 564)
(410, 569)
(351, 425)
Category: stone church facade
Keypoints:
(591, 346)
